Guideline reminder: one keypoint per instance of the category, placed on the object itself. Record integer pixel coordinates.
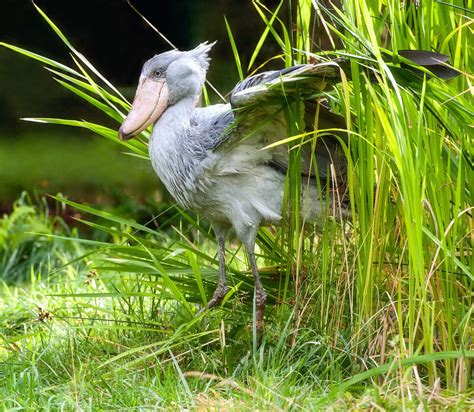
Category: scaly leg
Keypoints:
(260, 295)
(222, 288)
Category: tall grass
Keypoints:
(390, 291)
(413, 282)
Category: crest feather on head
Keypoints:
(201, 54)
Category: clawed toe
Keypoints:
(217, 298)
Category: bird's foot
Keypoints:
(217, 298)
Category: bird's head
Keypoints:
(165, 79)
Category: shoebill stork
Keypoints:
(210, 158)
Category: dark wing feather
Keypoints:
(305, 79)
(261, 78)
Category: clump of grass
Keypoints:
(25, 242)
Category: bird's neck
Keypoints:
(169, 152)
(175, 119)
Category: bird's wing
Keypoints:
(256, 119)
(212, 126)
(305, 80)
(258, 104)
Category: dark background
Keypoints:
(116, 40)
(49, 159)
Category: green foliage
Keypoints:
(386, 297)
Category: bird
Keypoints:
(222, 162)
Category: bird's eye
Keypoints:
(158, 73)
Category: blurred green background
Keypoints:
(44, 159)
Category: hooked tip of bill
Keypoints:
(122, 135)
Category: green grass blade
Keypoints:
(235, 52)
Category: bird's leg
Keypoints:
(260, 295)
(222, 288)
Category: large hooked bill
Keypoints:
(151, 100)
